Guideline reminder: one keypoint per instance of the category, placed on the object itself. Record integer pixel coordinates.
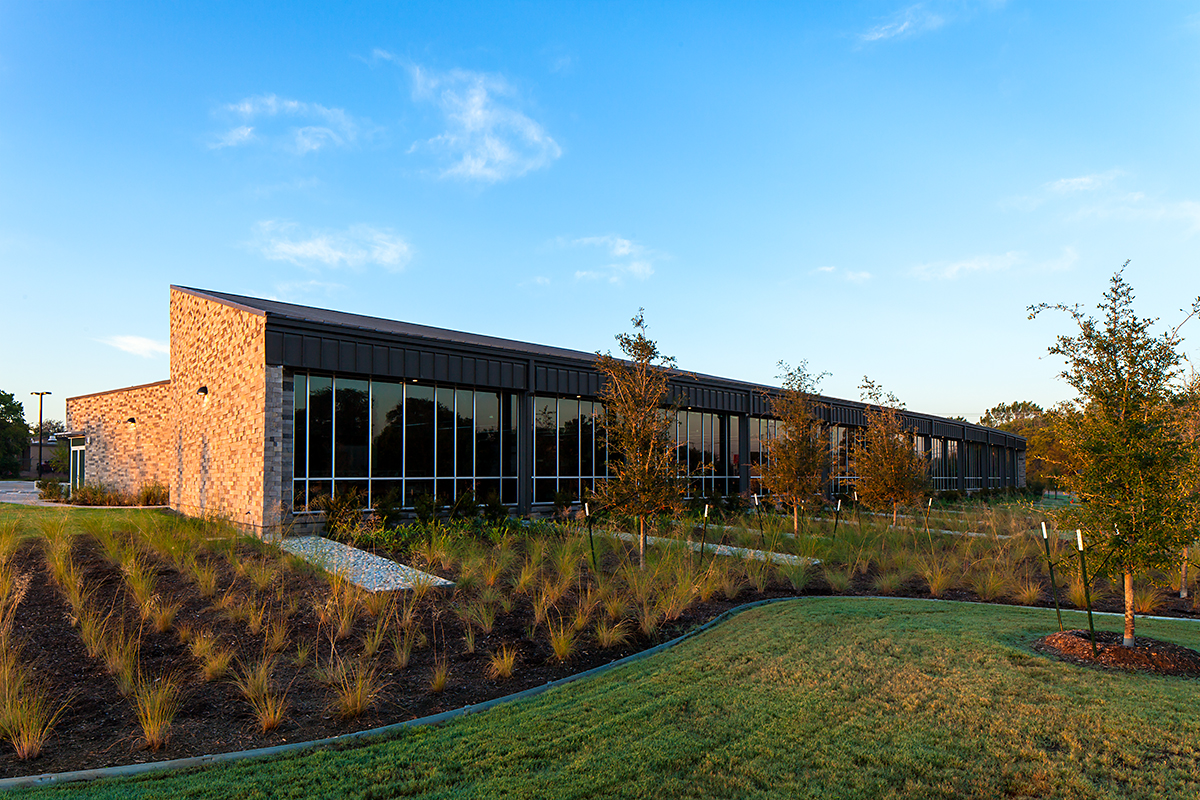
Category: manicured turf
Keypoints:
(809, 698)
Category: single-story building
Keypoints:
(271, 404)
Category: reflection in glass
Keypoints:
(464, 410)
(320, 426)
(300, 426)
(387, 430)
(351, 429)
(487, 434)
(445, 435)
(545, 431)
(418, 433)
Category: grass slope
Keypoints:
(810, 698)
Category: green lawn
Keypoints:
(810, 698)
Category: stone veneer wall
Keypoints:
(226, 456)
(118, 454)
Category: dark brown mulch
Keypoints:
(1147, 655)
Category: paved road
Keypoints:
(22, 492)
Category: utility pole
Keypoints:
(40, 395)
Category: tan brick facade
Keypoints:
(223, 456)
(120, 454)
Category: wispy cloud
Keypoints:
(1100, 196)
(294, 125)
(289, 290)
(138, 345)
(910, 21)
(487, 138)
(951, 270)
(355, 247)
(923, 17)
(1083, 183)
(626, 258)
(852, 276)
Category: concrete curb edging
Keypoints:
(380, 733)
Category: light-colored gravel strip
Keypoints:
(366, 570)
(724, 550)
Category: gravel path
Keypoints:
(725, 550)
(366, 570)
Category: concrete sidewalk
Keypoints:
(23, 493)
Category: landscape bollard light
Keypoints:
(1053, 585)
(704, 535)
(758, 508)
(928, 508)
(1087, 592)
(41, 433)
(837, 515)
(587, 513)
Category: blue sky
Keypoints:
(877, 188)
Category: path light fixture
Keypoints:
(41, 435)
(1087, 591)
(1053, 586)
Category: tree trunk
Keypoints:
(895, 511)
(642, 542)
(796, 518)
(1128, 610)
(1183, 575)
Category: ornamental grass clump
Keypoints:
(609, 635)
(356, 687)
(156, 704)
(502, 662)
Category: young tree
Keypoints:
(890, 472)
(14, 435)
(1125, 453)
(643, 471)
(798, 457)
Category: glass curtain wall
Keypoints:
(569, 447)
(386, 438)
(706, 446)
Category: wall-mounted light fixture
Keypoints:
(203, 390)
(130, 421)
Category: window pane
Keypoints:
(320, 427)
(487, 433)
(735, 458)
(300, 427)
(414, 489)
(418, 435)
(299, 496)
(445, 434)
(568, 437)
(464, 411)
(695, 441)
(509, 437)
(545, 430)
(387, 430)
(587, 446)
(351, 429)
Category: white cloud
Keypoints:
(138, 345)
(950, 270)
(233, 137)
(486, 137)
(300, 127)
(907, 22)
(1084, 183)
(629, 259)
(355, 247)
(846, 274)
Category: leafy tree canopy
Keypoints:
(14, 435)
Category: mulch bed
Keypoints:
(1147, 655)
(99, 727)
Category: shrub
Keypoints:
(50, 489)
(153, 494)
(97, 494)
